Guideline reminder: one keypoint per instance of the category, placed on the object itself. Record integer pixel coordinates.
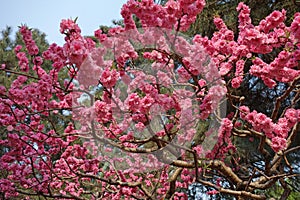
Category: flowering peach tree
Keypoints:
(142, 114)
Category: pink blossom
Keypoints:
(133, 102)
(100, 36)
(236, 82)
(295, 26)
(292, 116)
(68, 26)
(244, 16)
(163, 78)
(184, 75)
(198, 149)
(201, 82)
(17, 49)
(219, 23)
(29, 42)
(10, 128)
(109, 78)
(272, 21)
(23, 61)
(225, 68)
(146, 104)
(103, 111)
(278, 144)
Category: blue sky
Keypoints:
(46, 15)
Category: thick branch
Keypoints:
(173, 183)
(233, 192)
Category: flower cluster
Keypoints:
(270, 33)
(76, 47)
(23, 61)
(55, 54)
(29, 42)
(295, 27)
(175, 14)
(277, 132)
(109, 78)
(137, 101)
